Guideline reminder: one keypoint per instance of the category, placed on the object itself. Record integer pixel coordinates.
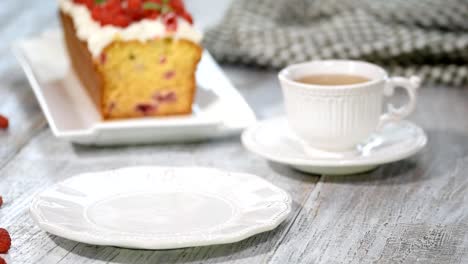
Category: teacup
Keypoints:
(339, 117)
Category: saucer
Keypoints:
(273, 140)
(160, 207)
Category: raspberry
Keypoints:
(135, 15)
(111, 13)
(88, 3)
(122, 13)
(165, 97)
(121, 20)
(152, 14)
(187, 17)
(103, 58)
(96, 13)
(112, 6)
(134, 10)
(5, 241)
(134, 5)
(169, 75)
(178, 6)
(1, 201)
(111, 107)
(170, 20)
(106, 18)
(2, 261)
(102, 16)
(145, 109)
(3, 122)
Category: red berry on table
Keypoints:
(5, 241)
(4, 123)
(2, 261)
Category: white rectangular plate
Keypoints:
(218, 110)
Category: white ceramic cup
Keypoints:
(339, 117)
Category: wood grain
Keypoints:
(17, 101)
(413, 211)
(23, 184)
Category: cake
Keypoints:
(134, 57)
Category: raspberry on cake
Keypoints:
(135, 57)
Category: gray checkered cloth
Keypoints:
(428, 38)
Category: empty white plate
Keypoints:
(160, 207)
(72, 115)
(273, 140)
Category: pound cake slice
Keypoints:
(135, 58)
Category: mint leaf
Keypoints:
(166, 9)
(151, 6)
(99, 1)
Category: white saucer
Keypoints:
(72, 115)
(273, 140)
(160, 207)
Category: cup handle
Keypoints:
(394, 114)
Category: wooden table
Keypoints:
(410, 211)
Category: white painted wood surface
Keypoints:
(413, 211)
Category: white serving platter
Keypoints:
(218, 110)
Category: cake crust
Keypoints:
(82, 61)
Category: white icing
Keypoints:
(98, 37)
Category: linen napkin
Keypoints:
(428, 38)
